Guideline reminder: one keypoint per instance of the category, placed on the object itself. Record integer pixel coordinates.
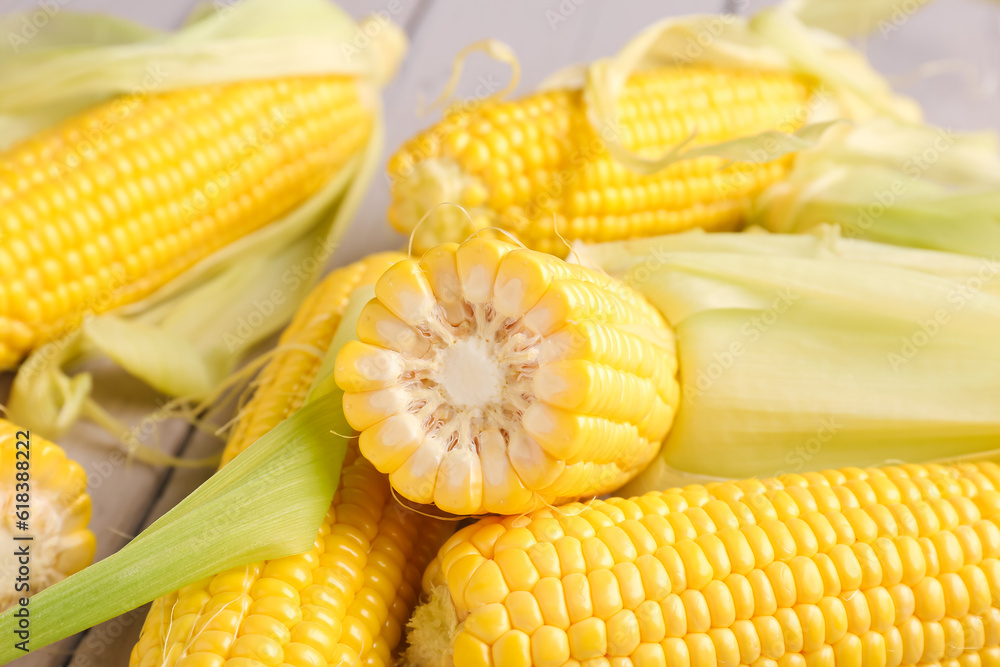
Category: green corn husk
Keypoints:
(266, 504)
(909, 185)
(181, 339)
(805, 352)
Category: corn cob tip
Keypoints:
(431, 630)
(422, 192)
(61, 543)
(491, 378)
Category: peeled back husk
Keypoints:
(804, 352)
(911, 185)
(185, 338)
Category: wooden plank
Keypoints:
(946, 56)
(110, 643)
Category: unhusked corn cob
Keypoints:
(106, 207)
(343, 602)
(891, 566)
(491, 378)
(536, 165)
(54, 492)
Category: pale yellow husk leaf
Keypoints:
(807, 352)
(187, 337)
(911, 185)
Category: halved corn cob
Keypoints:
(890, 566)
(491, 378)
(108, 206)
(343, 602)
(536, 166)
(58, 511)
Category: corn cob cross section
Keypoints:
(106, 207)
(344, 602)
(876, 567)
(536, 166)
(491, 378)
(59, 508)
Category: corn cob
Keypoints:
(490, 378)
(536, 166)
(343, 602)
(106, 207)
(891, 566)
(58, 508)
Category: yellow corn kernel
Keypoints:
(346, 598)
(506, 405)
(868, 599)
(536, 168)
(108, 206)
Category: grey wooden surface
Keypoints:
(947, 56)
